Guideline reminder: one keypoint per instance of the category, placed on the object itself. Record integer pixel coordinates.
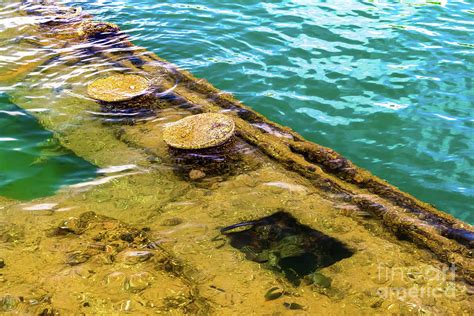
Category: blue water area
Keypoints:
(388, 84)
(32, 163)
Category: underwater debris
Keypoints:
(77, 257)
(11, 233)
(274, 293)
(49, 312)
(8, 303)
(131, 257)
(200, 131)
(293, 306)
(108, 238)
(282, 244)
(97, 30)
(174, 221)
(71, 225)
(138, 282)
(119, 257)
(196, 174)
(118, 87)
(321, 280)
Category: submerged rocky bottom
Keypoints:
(152, 243)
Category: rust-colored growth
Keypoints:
(119, 87)
(200, 131)
(94, 29)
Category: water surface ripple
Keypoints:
(388, 84)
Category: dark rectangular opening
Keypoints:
(280, 243)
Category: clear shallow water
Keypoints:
(386, 84)
(146, 236)
(389, 85)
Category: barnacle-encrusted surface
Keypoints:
(89, 28)
(118, 88)
(199, 131)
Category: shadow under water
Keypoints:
(282, 244)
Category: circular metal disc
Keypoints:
(199, 131)
(118, 87)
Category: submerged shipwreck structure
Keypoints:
(202, 183)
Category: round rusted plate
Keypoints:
(199, 131)
(118, 88)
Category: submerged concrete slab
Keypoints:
(399, 243)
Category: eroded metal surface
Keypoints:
(177, 215)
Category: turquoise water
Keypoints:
(32, 163)
(388, 84)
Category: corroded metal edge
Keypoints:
(449, 238)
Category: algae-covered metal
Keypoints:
(153, 243)
(94, 29)
(118, 87)
(199, 131)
